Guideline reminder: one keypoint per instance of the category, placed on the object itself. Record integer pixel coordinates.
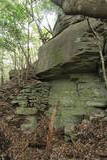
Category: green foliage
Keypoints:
(11, 16)
(46, 5)
(20, 33)
(11, 11)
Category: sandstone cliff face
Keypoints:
(70, 62)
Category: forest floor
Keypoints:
(90, 142)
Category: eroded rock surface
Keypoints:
(91, 8)
(73, 51)
(70, 66)
(31, 102)
(78, 97)
(64, 21)
(71, 63)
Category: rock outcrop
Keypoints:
(72, 51)
(92, 8)
(31, 102)
(64, 21)
(70, 63)
(78, 97)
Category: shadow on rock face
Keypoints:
(58, 2)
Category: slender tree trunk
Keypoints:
(15, 61)
(2, 76)
(2, 69)
(37, 22)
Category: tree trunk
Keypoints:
(2, 69)
(91, 8)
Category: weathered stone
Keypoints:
(83, 7)
(97, 104)
(74, 50)
(30, 124)
(26, 111)
(64, 21)
(14, 102)
(20, 97)
(32, 100)
(72, 58)
(26, 90)
(22, 103)
(72, 95)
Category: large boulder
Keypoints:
(64, 21)
(92, 8)
(74, 50)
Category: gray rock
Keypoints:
(32, 100)
(90, 8)
(72, 96)
(72, 51)
(26, 111)
(30, 124)
(97, 104)
(64, 21)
